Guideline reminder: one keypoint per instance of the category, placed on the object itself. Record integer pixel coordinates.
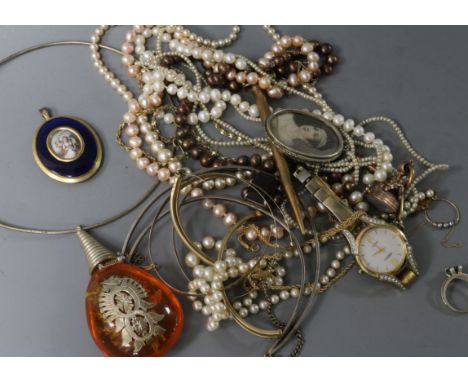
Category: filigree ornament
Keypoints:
(122, 303)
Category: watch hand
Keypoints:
(376, 245)
(381, 250)
(388, 256)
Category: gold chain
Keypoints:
(345, 225)
(243, 231)
(339, 276)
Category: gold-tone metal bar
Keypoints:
(321, 191)
(281, 164)
(407, 276)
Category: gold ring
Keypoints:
(452, 273)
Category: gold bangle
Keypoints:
(175, 214)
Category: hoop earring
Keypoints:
(450, 224)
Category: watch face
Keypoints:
(382, 249)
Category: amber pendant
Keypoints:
(129, 311)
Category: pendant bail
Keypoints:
(94, 251)
(45, 113)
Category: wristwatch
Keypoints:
(381, 250)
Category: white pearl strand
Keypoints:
(272, 32)
(209, 281)
(135, 41)
(189, 48)
(219, 55)
(413, 199)
(382, 161)
(384, 156)
(114, 82)
(180, 32)
(184, 44)
(412, 195)
(202, 97)
(186, 48)
(220, 210)
(153, 85)
(332, 271)
(177, 85)
(431, 167)
(195, 94)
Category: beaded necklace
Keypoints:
(200, 106)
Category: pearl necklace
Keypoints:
(157, 80)
(153, 82)
(204, 96)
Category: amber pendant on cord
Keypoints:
(129, 311)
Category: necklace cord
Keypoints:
(33, 48)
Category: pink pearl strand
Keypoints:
(134, 124)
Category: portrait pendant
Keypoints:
(67, 149)
(304, 136)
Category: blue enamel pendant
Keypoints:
(67, 149)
